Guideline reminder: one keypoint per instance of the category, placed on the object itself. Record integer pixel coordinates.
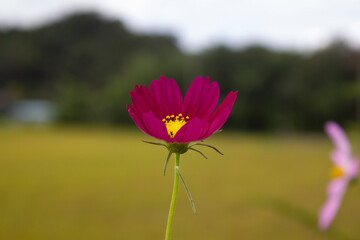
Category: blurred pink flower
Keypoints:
(345, 169)
(161, 112)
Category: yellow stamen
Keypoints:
(173, 124)
(336, 172)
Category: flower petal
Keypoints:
(191, 131)
(336, 187)
(221, 114)
(142, 101)
(167, 96)
(134, 115)
(335, 193)
(217, 123)
(340, 158)
(327, 212)
(338, 136)
(201, 98)
(174, 96)
(228, 102)
(155, 127)
(353, 168)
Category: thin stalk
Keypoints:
(173, 198)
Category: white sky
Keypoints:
(197, 24)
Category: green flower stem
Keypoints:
(173, 198)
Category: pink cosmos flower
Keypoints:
(161, 112)
(345, 169)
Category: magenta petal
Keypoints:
(167, 96)
(228, 102)
(201, 98)
(192, 97)
(142, 101)
(218, 122)
(155, 127)
(137, 119)
(338, 136)
(221, 114)
(209, 100)
(174, 96)
(157, 92)
(191, 131)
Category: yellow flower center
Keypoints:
(336, 172)
(174, 123)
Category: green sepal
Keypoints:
(155, 143)
(206, 145)
(178, 147)
(198, 152)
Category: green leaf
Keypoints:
(187, 190)
(154, 143)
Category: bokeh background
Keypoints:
(72, 165)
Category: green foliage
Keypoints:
(88, 64)
(73, 103)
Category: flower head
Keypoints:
(345, 169)
(161, 112)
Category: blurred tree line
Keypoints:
(88, 64)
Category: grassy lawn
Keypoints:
(90, 183)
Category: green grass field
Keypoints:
(91, 183)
